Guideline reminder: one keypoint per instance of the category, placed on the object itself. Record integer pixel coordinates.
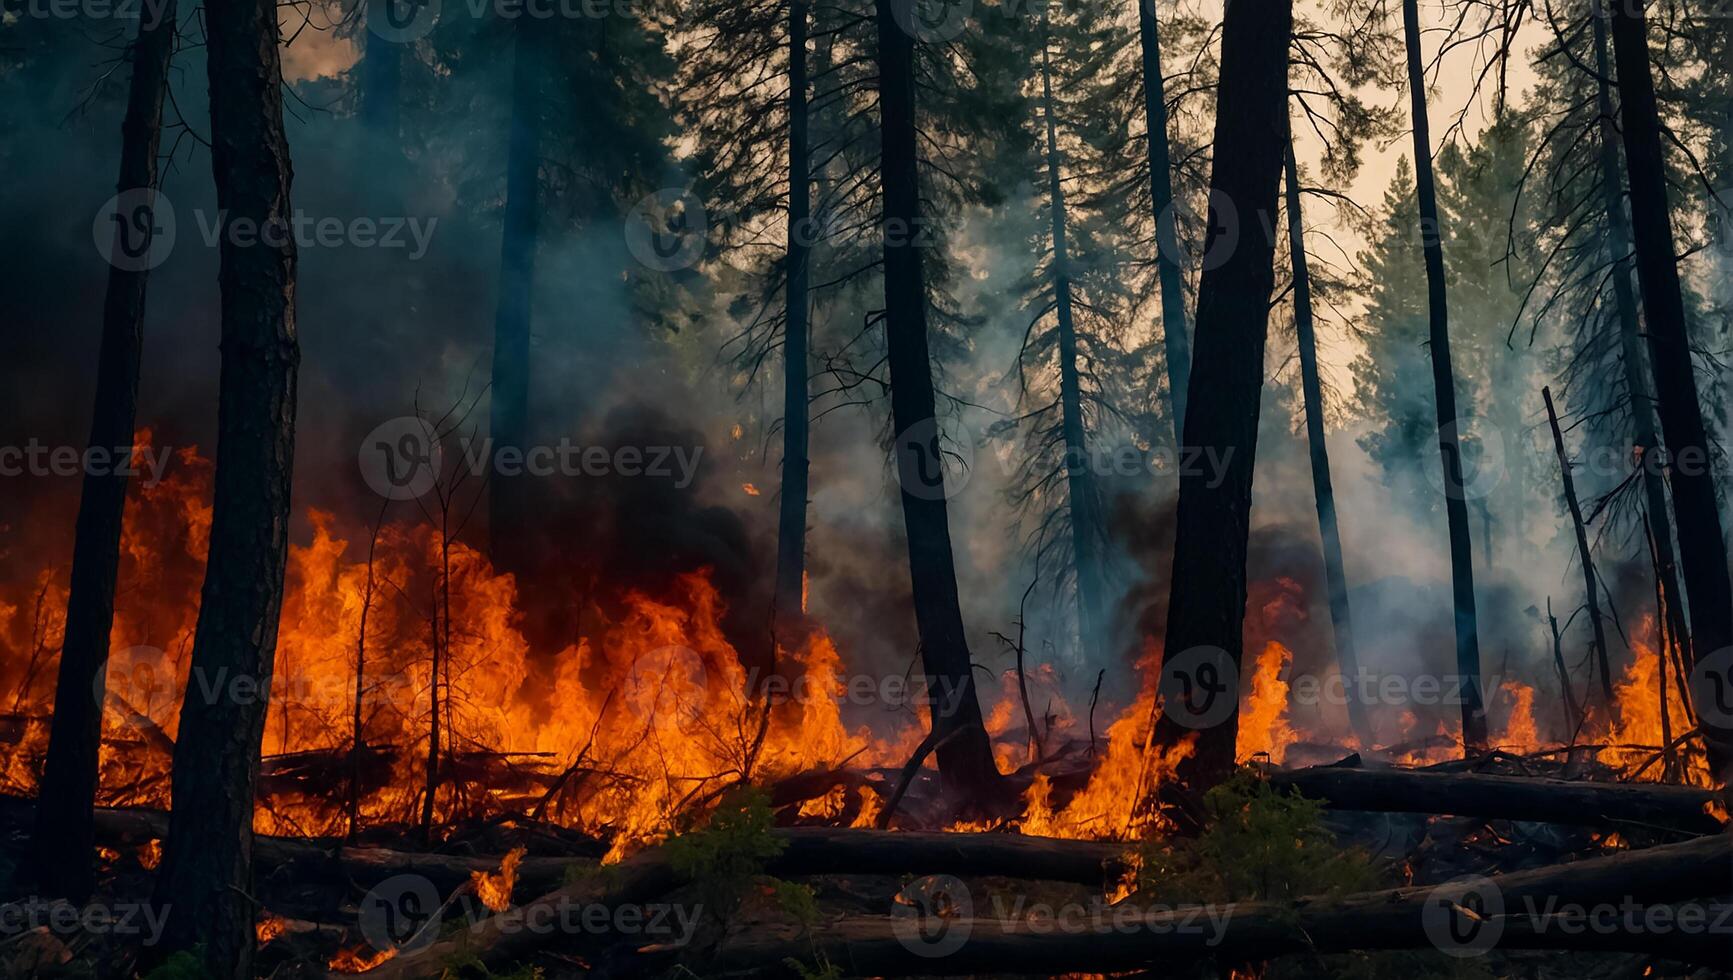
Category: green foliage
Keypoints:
(469, 964)
(797, 901)
(725, 855)
(1258, 845)
(184, 965)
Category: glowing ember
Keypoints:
(358, 960)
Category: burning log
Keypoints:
(1387, 919)
(808, 851)
(1468, 794)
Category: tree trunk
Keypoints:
(966, 761)
(381, 79)
(1702, 550)
(791, 518)
(1591, 591)
(508, 508)
(1086, 535)
(1444, 386)
(1174, 341)
(1472, 794)
(61, 846)
(206, 876)
(1207, 604)
(1536, 912)
(1323, 490)
(1631, 350)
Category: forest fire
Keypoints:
(865, 489)
(626, 734)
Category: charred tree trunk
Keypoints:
(61, 846)
(508, 507)
(1175, 343)
(1208, 599)
(791, 518)
(965, 761)
(1702, 550)
(205, 881)
(1444, 386)
(1323, 489)
(1590, 590)
(1086, 533)
(1631, 350)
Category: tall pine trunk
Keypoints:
(1323, 489)
(1702, 550)
(381, 79)
(1207, 602)
(1635, 361)
(965, 754)
(1086, 534)
(1444, 389)
(791, 517)
(205, 883)
(63, 846)
(508, 508)
(1174, 341)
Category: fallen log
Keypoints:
(550, 921)
(1536, 913)
(1538, 799)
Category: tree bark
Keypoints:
(1086, 535)
(965, 762)
(1591, 591)
(790, 602)
(1175, 343)
(508, 506)
(1208, 599)
(1466, 794)
(1702, 550)
(1444, 386)
(206, 874)
(61, 845)
(1323, 489)
(1635, 362)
